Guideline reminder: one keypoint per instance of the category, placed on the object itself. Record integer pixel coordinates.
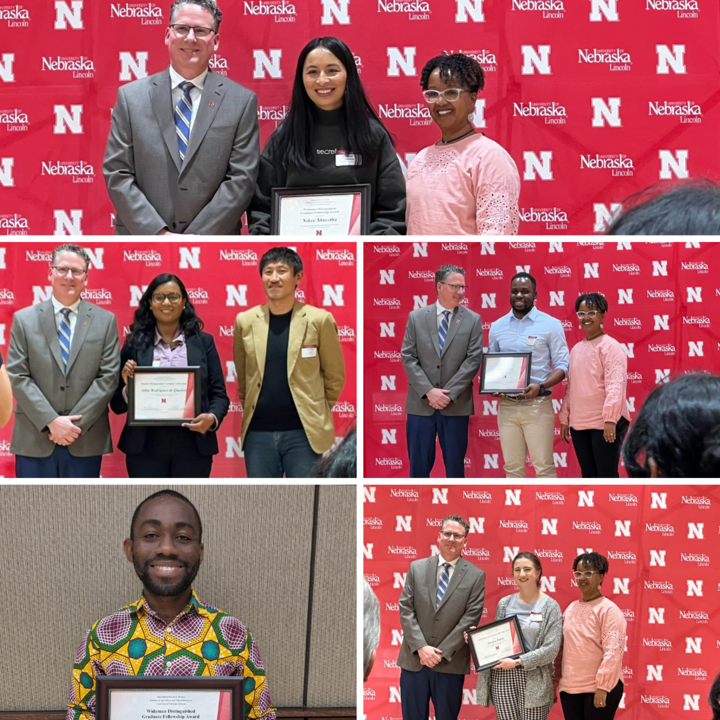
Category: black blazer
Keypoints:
(201, 351)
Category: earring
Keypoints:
(601, 326)
(579, 327)
(471, 116)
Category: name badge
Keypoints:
(535, 617)
(309, 351)
(343, 159)
(531, 339)
(156, 363)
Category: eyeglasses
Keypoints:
(452, 536)
(587, 574)
(450, 94)
(456, 288)
(183, 30)
(589, 313)
(159, 298)
(63, 271)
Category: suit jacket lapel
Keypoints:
(46, 313)
(431, 578)
(455, 322)
(431, 318)
(260, 330)
(146, 355)
(210, 101)
(298, 324)
(162, 105)
(84, 318)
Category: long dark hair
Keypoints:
(142, 330)
(293, 137)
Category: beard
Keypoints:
(166, 589)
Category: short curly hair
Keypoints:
(593, 560)
(592, 300)
(461, 68)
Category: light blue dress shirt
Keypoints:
(549, 348)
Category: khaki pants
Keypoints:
(527, 425)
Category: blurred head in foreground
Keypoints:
(676, 434)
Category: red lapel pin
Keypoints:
(212, 104)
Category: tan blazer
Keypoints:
(315, 382)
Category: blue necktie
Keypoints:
(444, 326)
(443, 583)
(183, 114)
(64, 337)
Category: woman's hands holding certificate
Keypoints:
(505, 664)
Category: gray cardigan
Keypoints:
(537, 663)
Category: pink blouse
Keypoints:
(470, 187)
(597, 380)
(593, 646)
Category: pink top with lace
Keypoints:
(593, 646)
(470, 187)
(596, 386)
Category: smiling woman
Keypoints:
(464, 184)
(331, 135)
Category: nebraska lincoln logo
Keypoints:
(682, 8)
(80, 67)
(685, 111)
(551, 112)
(616, 59)
(147, 13)
(486, 60)
(414, 113)
(618, 164)
(415, 9)
(280, 10)
(548, 8)
(15, 16)
(14, 120)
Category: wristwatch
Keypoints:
(517, 662)
(542, 388)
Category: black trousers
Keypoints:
(418, 688)
(597, 458)
(580, 706)
(169, 452)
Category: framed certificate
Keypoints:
(495, 641)
(328, 210)
(179, 698)
(163, 396)
(507, 373)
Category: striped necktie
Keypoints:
(444, 326)
(183, 114)
(443, 582)
(64, 337)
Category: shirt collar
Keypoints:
(194, 606)
(176, 78)
(532, 315)
(179, 338)
(58, 306)
(453, 563)
(440, 309)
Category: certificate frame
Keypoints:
(362, 190)
(484, 664)
(190, 370)
(106, 684)
(490, 358)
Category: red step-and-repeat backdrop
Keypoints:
(222, 280)
(657, 541)
(594, 99)
(658, 292)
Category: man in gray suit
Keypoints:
(63, 363)
(441, 353)
(443, 596)
(183, 150)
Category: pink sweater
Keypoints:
(470, 187)
(593, 646)
(597, 380)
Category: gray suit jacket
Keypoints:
(142, 169)
(443, 627)
(43, 391)
(454, 371)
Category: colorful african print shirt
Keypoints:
(136, 641)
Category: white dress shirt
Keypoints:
(451, 569)
(195, 93)
(440, 310)
(72, 318)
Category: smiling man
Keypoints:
(442, 597)
(183, 150)
(526, 421)
(63, 363)
(441, 354)
(168, 631)
(290, 373)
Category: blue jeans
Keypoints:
(274, 454)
